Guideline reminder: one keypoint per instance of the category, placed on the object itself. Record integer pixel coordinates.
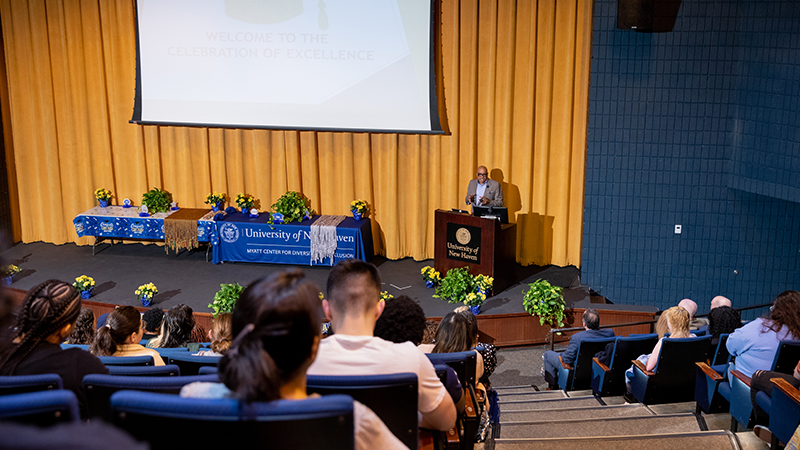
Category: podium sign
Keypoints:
(463, 243)
(483, 245)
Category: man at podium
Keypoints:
(483, 191)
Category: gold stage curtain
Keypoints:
(515, 86)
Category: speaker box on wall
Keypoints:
(647, 15)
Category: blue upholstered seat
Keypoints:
(20, 384)
(42, 408)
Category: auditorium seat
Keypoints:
(784, 411)
(393, 397)
(99, 388)
(464, 364)
(190, 364)
(167, 370)
(673, 378)
(579, 375)
(127, 360)
(720, 354)
(21, 384)
(323, 423)
(610, 379)
(44, 408)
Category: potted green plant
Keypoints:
(291, 207)
(455, 285)
(545, 301)
(157, 200)
(225, 298)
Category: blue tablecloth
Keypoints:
(125, 223)
(240, 238)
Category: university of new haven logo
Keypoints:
(462, 236)
(229, 233)
(464, 243)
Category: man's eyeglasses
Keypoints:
(482, 174)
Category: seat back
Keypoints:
(626, 349)
(127, 360)
(167, 370)
(786, 357)
(393, 397)
(784, 414)
(675, 371)
(721, 355)
(166, 352)
(190, 364)
(580, 376)
(462, 362)
(20, 384)
(80, 346)
(99, 388)
(43, 408)
(325, 422)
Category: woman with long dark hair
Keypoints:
(176, 329)
(46, 317)
(121, 334)
(277, 322)
(755, 344)
(457, 334)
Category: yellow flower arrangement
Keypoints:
(359, 206)
(484, 283)
(385, 295)
(9, 270)
(215, 197)
(102, 194)
(83, 283)
(429, 274)
(146, 290)
(245, 201)
(475, 299)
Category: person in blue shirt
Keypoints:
(591, 323)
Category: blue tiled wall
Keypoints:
(697, 127)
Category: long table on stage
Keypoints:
(239, 238)
(118, 222)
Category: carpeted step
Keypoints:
(616, 426)
(527, 389)
(593, 412)
(533, 405)
(706, 440)
(520, 396)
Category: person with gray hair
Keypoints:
(591, 325)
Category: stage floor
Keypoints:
(187, 278)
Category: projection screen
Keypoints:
(354, 65)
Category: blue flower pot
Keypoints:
(475, 309)
(356, 215)
(85, 294)
(146, 300)
(216, 207)
(429, 284)
(103, 203)
(277, 218)
(245, 210)
(8, 280)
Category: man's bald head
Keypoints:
(719, 300)
(689, 305)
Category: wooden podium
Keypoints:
(483, 245)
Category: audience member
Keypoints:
(487, 351)
(721, 320)
(45, 319)
(402, 320)
(220, 335)
(276, 322)
(754, 345)
(760, 382)
(455, 334)
(719, 300)
(83, 333)
(353, 305)
(121, 336)
(591, 325)
(175, 329)
(152, 322)
(429, 336)
(716, 302)
(677, 319)
(690, 306)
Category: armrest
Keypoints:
(742, 377)
(642, 367)
(564, 365)
(451, 439)
(709, 372)
(787, 389)
(425, 440)
(480, 396)
(601, 365)
(469, 405)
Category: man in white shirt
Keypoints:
(353, 306)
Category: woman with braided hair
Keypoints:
(121, 334)
(45, 319)
(277, 323)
